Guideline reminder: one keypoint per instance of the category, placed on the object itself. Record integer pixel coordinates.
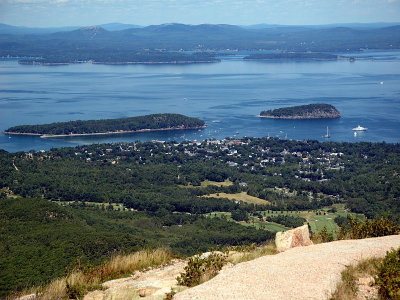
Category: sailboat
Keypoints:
(327, 135)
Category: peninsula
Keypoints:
(154, 122)
(292, 56)
(310, 111)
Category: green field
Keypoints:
(254, 222)
(207, 183)
(270, 226)
(317, 219)
(243, 197)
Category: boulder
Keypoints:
(299, 236)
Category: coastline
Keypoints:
(297, 117)
(103, 133)
(121, 63)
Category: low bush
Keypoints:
(368, 228)
(388, 277)
(199, 270)
(324, 236)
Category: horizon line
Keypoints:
(197, 24)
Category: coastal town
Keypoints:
(250, 154)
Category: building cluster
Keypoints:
(265, 155)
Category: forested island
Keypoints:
(292, 56)
(154, 122)
(309, 111)
(113, 57)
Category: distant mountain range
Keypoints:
(350, 25)
(122, 38)
(9, 29)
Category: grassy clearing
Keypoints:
(269, 226)
(347, 288)
(207, 183)
(317, 223)
(78, 283)
(317, 219)
(243, 197)
(254, 222)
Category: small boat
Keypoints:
(327, 135)
(216, 121)
(359, 128)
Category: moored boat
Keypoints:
(359, 128)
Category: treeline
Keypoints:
(287, 220)
(155, 121)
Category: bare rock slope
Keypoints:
(310, 272)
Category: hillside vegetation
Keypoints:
(41, 240)
(79, 206)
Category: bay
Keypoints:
(227, 95)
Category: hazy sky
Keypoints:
(43, 13)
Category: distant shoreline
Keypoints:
(295, 117)
(103, 133)
(120, 63)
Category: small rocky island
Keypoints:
(155, 122)
(310, 111)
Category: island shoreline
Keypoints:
(297, 117)
(103, 133)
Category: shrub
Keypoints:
(199, 270)
(388, 277)
(323, 236)
(368, 228)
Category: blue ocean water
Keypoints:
(227, 95)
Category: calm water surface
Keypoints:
(231, 93)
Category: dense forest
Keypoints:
(310, 111)
(111, 198)
(153, 122)
(293, 56)
(41, 240)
